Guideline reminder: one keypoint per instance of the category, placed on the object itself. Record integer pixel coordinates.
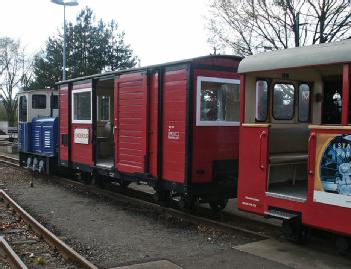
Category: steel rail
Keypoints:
(10, 256)
(67, 252)
(9, 160)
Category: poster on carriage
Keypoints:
(332, 183)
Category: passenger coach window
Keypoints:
(23, 109)
(39, 101)
(283, 101)
(82, 106)
(261, 100)
(218, 102)
(304, 102)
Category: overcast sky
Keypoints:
(157, 30)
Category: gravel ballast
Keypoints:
(111, 234)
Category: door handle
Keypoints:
(262, 135)
(309, 159)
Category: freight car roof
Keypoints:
(186, 61)
(330, 53)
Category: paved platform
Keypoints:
(295, 256)
(162, 264)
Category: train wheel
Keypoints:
(163, 198)
(295, 231)
(188, 203)
(218, 205)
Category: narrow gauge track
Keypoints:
(203, 216)
(22, 235)
(9, 258)
(9, 160)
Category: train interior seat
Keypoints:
(288, 146)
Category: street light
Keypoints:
(64, 3)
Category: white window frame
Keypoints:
(200, 122)
(98, 108)
(91, 105)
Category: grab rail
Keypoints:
(310, 169)
(261, 164)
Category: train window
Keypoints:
(23, 108)
(54, 102)
(332, 100)
(283, 101)
(304, 102)
(39, 101)
(103, 108)
(261, 100)
(81, 106)
(218, 102)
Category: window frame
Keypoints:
(268, 99)
(309, 102)
(91, 105)
(294, 104)
(20, 108)
(39, 94)
(200, 122)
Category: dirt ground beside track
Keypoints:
(111, 234)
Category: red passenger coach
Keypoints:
(174, 126)
(295, 137)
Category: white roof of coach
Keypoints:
(328, 53)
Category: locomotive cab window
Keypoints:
(39, 101)
(81, 106)
(218, 102)
(23, 108)
(54, 102)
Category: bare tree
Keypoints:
(249, 26)
(14, 73)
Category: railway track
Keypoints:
(202, 217)
(25, 243)
(9, 160)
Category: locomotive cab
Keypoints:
(37, 129)
(36, 104)
(295, 147)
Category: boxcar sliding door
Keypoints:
(131, 121)
(82, 125)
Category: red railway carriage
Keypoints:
(295, 143)
(174, 126)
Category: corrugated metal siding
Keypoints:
(131, 134)
(174, 122)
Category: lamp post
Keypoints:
(64, 3)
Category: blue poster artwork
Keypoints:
(335, 166)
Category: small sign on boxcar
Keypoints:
(81, 136)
